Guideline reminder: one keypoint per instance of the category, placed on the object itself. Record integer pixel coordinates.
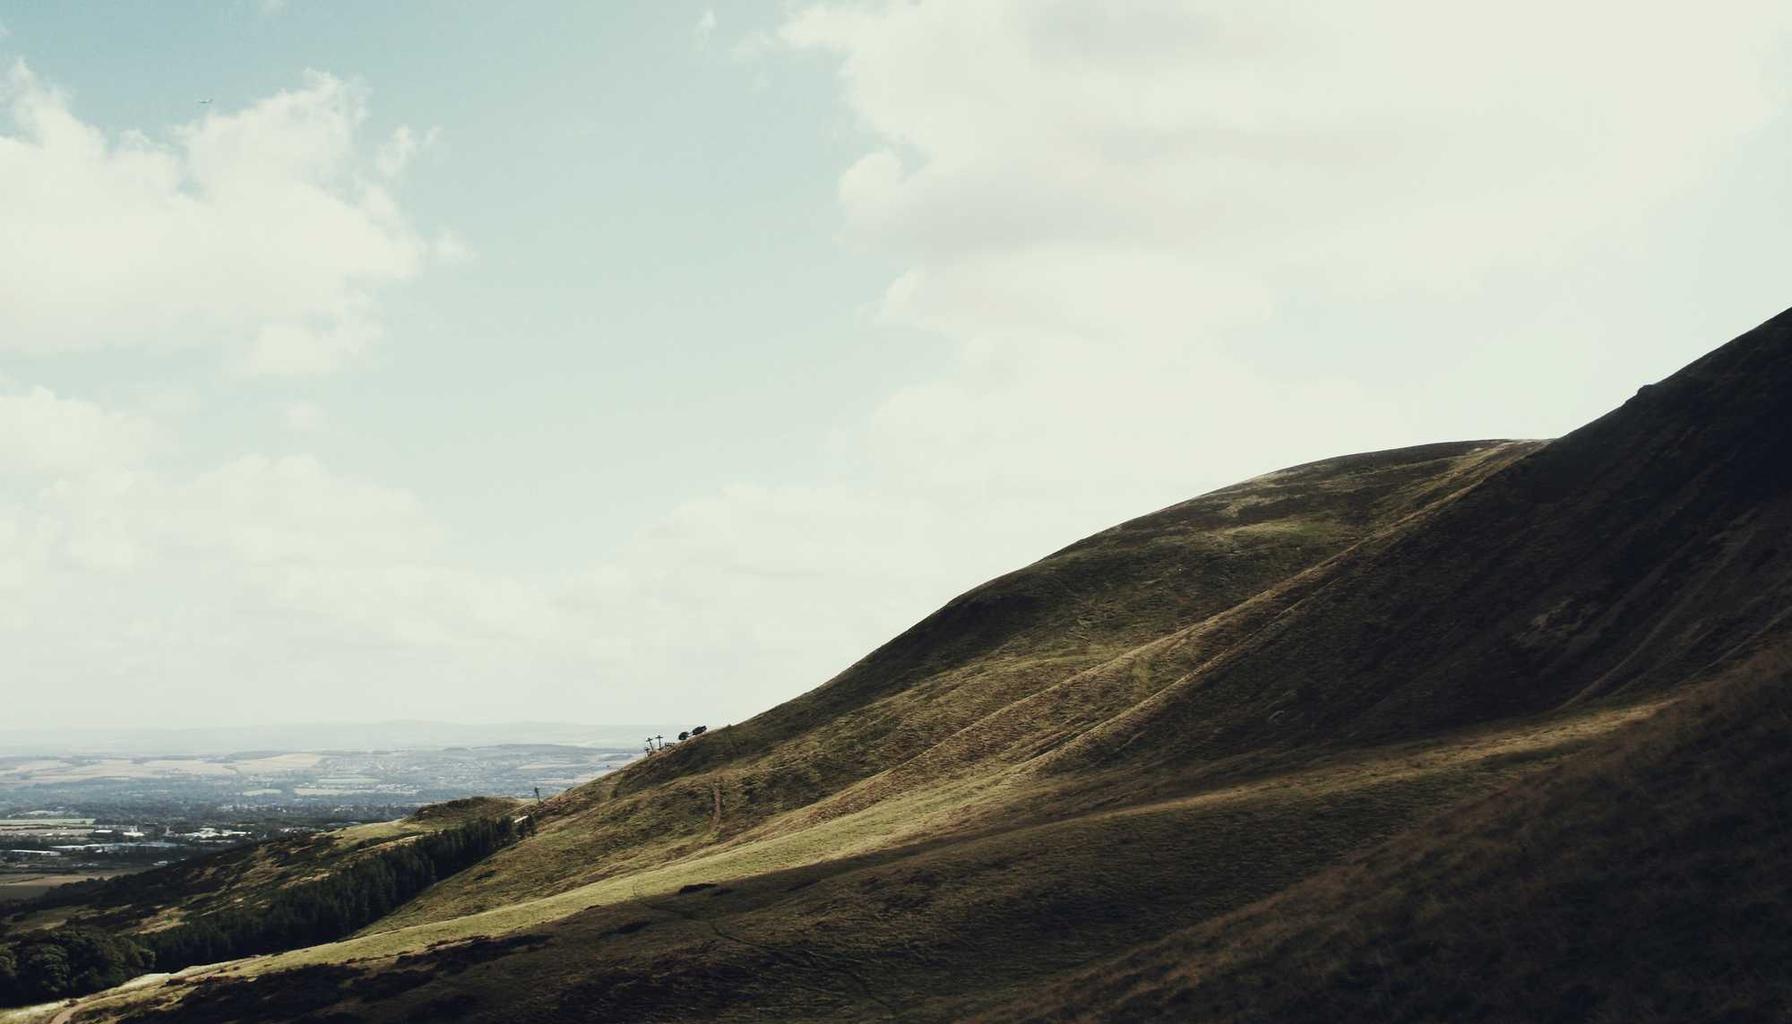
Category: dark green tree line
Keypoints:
(74, 961)
(69, 961)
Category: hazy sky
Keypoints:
(655, 361)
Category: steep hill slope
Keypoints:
(1130, 743)
(1643, 548)
(1645, 881)
(923, 931)
(847, 744)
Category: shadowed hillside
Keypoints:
(1645, 881)
(926, 706)
(1631, 555)
(1219, 751)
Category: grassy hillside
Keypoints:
(1623, 559)
(896, 721)
(922, 931)
(1269, 693)
(1644, 881)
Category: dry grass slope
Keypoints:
(973, 690)
(1645, 881)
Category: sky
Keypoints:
(641, 362)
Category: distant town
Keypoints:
(94, 815)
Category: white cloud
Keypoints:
(1113, 212)
(299, 349)
(451, 250)
(264, 231)
(42, 434)
(259, 583)
(272, 586)
(303, 417)
(1135, 225)
(705, 27)
(1360, 140)
(1132, 235)
(746, 596)
(398, 151)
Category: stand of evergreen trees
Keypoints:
(43, 966)
(74, 961)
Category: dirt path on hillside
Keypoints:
(138, 984)
(140, 981)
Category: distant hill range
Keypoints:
(1488, 730)
(317, 736)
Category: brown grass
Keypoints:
(1645, 881)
